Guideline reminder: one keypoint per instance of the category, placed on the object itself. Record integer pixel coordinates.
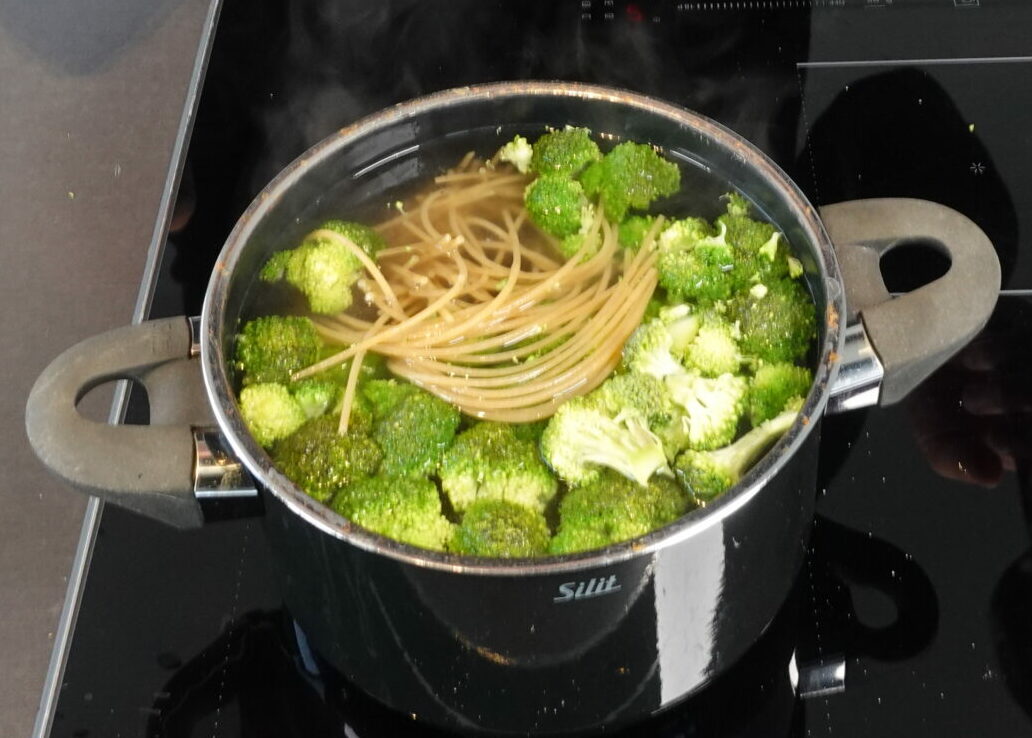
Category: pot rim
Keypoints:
(223, 401)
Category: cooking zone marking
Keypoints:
(594, 587)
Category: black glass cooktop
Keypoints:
(913, 614)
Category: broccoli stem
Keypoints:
(743, 453)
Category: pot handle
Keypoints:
(146, 468)
(913, 334)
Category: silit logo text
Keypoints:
(594, 587)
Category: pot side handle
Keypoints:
(914, 333)
(145, 468)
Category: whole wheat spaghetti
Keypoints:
(474, 304)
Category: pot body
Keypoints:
(549, 652)
(567, 643)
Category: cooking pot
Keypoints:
(549, 645)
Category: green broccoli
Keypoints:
(558, 206)
(682, 323)
(632, 231)
(658, 345)
(564, 152)
(737, 205)
(517, 152)
(361, 419)
(714, 350)
(414, 432)
(712, 407)
(322, 461)
(406, 509)
(570, 245)
(777, 321)
(650, 350)
(500, 528)
(361, 235)
(692, 266)
(611, 508)
(272, 348)
(760, 251)
(642, 393)
(708, 474)
(631, 176)
(773, 386)
(684, 233)
(323, 269)
(649, 396)
(315, 396)
(582, 437)
(275, 267)
(591, 179)
(270, 412)
(488, 462)
(384, 395)
(529, 431)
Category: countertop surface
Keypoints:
(93, 116)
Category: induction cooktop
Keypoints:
(913, 613)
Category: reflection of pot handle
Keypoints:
(151, 469)
(842, 558)
(911, 335)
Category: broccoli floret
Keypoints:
(570, 245)
(582, 437)
(642, 393)
(649, 396)
(557, 205)
(761, 252)
(500, 528)
(658, 345)
(384, 395)
(321, 268)
(710, 473)
(777, 321)
(591, 179)
(322, 461)
(712, 407)
(650, 349)
(684, 233)
(361, 235)
(529, 431)
(744, 231)
(276, 267)
(315, 396)
(631, 176)
(488, 461)
(737, 205)
(612, 508)
(272, 348)
(714, 350)
(361, 419)
(414, 433)
(270, 412)
(773, 386)
(565, 152)
(406, 509)
(692, 266)
(632, 231)
(517, 152)
(683, 324)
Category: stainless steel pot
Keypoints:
(547, 645)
